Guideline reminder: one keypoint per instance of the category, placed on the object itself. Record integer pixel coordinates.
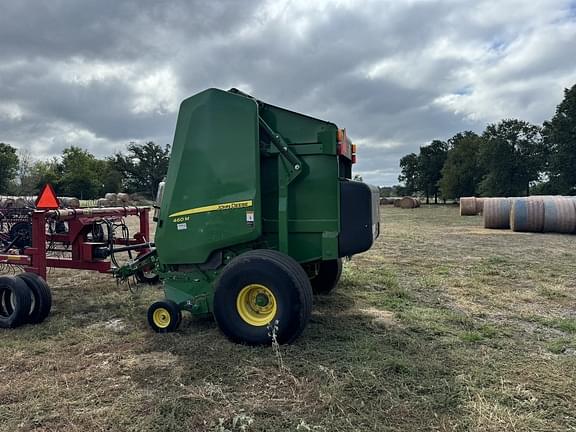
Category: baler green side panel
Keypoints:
(212, 194)
(314, 196)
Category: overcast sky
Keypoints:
(396, 74)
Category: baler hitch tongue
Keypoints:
(139, 267)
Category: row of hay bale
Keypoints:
(30, 202)
(109, 200)
(531, 214)
(16, 202)
(407, 202)
(114, 199)
(404, 202)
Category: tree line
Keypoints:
(510, 158)
(78, 173)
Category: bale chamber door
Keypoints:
(212, 194)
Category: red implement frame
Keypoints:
(80, 222)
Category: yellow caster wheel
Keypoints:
(164, 316)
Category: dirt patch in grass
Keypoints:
(442, 326)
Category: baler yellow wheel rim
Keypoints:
(161, 318)
(256, 305)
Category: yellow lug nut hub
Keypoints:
(256, 305)
(161, 318)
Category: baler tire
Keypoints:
(329, 273)
(290, 294)
(41, 297)
(164, 316)
(15, 301)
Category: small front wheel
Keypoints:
(164, 316)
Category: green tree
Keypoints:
(110, 180)
(385, 191)
(462, 172)
(25, 181)
(409, 173)
(513, 155)
(143, 168)
(560, 138)
(43, 172)
(8, 167)
(79, 170)
(430, 163)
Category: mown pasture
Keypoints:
(442, 326)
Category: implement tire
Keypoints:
(329, 273)
(41, 297)
(15, 301)
(262, 294)
(147, 277)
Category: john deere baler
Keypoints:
(257, 210)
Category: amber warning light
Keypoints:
(345, 147)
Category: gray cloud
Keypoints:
(395, 74)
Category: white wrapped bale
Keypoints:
(123, 198)
(103, 202)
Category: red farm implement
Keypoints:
(35, 240)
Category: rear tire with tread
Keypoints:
(15, 301)
(329, 273)
(283, 277)
(42, 297)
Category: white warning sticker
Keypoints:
(181, 226)
(250, 217)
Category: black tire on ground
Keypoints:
(329, 273)
(285, 303)
(23, 232)
(41, 297)
(15, 301)
(146, 277)
(164, 316)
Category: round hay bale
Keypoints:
(103, 202)
(409, 203)
(123, 197)
(527, 214)
(111, 196)
(397, 202)
(479, 205)
(559, 214)
(497, 213)
(7, 203)
(386, 201)
(69, 202)
(468, 206)
(20, 203)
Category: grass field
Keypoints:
(441, 326)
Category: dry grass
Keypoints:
(442, 326)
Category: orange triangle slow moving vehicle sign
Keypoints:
(47, 199)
